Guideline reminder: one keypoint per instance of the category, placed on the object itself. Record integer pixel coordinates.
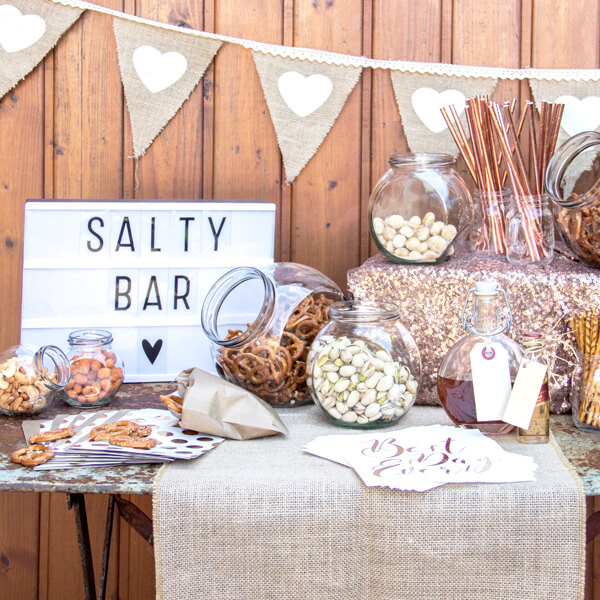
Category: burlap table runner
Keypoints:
(260, 519)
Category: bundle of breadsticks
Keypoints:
(586, 328)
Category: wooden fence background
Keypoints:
(64, 133)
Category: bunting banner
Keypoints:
(421, 96)
(304, 100)
(305, 89)
(159, 70)
(29, 29)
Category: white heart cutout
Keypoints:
(19, 31)
(427, 103)
(304, 95)
(580, 115)
(158, 71)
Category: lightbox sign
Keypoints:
(138, 269)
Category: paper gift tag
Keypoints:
(491, 380)
(525, 392)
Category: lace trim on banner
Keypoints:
(333, 58)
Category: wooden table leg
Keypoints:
(592, 527)
(136, 518)
(77, 502)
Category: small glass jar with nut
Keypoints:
(96, 369)
(420, 210)
(29, 378)
(364, 366)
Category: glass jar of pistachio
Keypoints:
(364, 366)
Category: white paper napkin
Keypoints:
(422, 458)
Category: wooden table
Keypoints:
(114, 481)
(581, 449)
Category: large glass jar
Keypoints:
(96, 369)
(573, 183)
(261, 323)
(421, 209)
(29, 377)
(489, 348)
(364, 366)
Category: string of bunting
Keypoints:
(305, 89)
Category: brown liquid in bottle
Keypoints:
(458, 399)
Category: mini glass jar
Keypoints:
(573, 183)
(96, 369)
(488, 234)
(585, 392)
(261, 323)
(420, 210)
(364, 366)
(530, 230)
(29, 377)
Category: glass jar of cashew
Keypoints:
(29, 378)
(364, 367)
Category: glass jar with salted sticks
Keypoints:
(364, 367)
(261, 323)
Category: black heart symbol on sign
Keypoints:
(152, 350)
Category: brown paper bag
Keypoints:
(215, 406)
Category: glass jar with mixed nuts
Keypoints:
(96, 369)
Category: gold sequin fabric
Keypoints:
(431, 299)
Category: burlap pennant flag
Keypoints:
(304, 99)
(159, 68)
(581, 113)
(29, 29)
(581, 100)
(420, 98)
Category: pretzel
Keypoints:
(51, 436)
(142, 431)
(104, 432)
(32, 455)
(275, 369)
(174, 403)
(131, 441)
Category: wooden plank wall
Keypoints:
(64, 133)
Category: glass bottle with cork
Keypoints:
(538, 431)
(475, 377)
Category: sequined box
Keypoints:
(431, 299)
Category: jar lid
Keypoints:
(359, 311)
(421, 159)
(574, 158)
(90, 336)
